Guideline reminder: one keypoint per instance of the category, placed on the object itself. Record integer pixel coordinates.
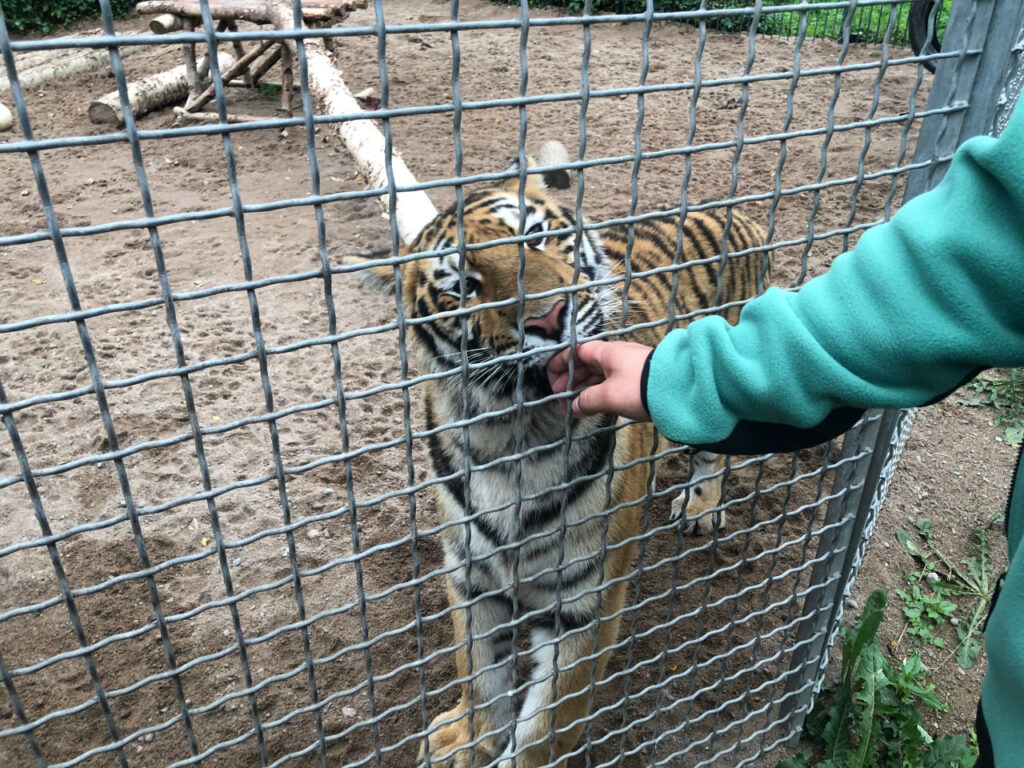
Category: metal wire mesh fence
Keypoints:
(228, 528)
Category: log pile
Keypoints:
(173, 15)
(330, 94)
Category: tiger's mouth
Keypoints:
(535, 378)
(516, 368)
(572, 331)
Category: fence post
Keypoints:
(847, 519)
(986, 33)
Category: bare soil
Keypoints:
(709, 618)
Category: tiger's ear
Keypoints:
(379, 276)
(551, 153)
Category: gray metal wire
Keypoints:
(740, 623)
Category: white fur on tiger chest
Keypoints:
(522, 524)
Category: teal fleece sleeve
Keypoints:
(921, 304)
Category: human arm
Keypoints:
(922, 304)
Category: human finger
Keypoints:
(592, 400)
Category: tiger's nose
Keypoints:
(549, 324)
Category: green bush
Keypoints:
(47, 15)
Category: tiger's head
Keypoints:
(464, 298)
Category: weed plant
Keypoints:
(1003, 390)
(873, 718)
(929, 603)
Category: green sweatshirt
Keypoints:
(919, 307)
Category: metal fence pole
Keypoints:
(985, 33)
(846, 518)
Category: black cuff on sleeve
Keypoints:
(754, 437)
(643, 382)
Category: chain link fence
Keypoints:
(219, 496)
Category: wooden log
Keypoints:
(165, 23)
(272, 84)
(192, 75)
(186, 116)
(239, 51)
(229, 74)
(44, 66)
(366, 143)
(287, 80)
(264, 66)
(362, 139)
(313, 11)
(150, 93)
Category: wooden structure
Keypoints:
(413, 209)
(173, 15)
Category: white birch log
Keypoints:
(165, 23)
(314, 12)
(149, 93)
(413, 210)
(366, 144)
(54, 65)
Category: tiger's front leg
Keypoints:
(566, 667)
(477, 729)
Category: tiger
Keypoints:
(540, 532)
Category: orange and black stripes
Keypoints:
(714, 258)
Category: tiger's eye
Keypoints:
(537, 229)
(473, 287)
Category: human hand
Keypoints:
(611, 371)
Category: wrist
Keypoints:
(644, 374)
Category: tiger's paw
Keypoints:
(533, 758)
(450, 742)
(699, 520)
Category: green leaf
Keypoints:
(967, 653)
(1014, 434)
(913, 667)
(835, 736)
(924, 527)
(871, 676)
(950, 752)
(910, 545)
(865, 631)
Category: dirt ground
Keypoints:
(710, 619)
